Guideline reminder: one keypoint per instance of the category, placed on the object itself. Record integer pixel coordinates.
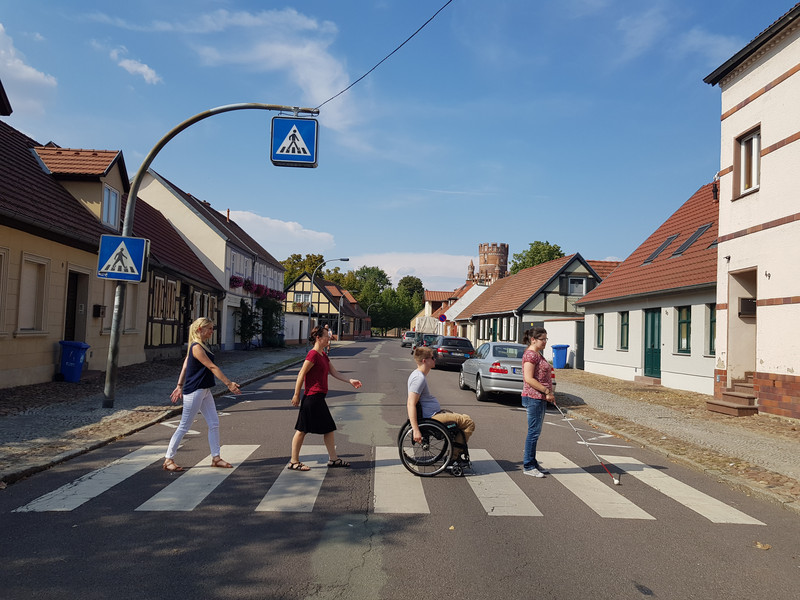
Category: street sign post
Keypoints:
(122, 258)
(293, 142)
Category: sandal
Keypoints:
(171, 466)
(298, 466)
(218, 462)
(332, 464)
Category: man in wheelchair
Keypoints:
(420, 400)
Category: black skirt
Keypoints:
(314, 416)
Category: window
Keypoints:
(577, 286)
(172, 300)
(684, 329)
(691, 240)
(32, 288)
(158, 298)
(660, 249)
(712, 329)
(302, 296)
(600, 323)
(623, 330)
(749, 161)
(132, 306)
(110, 207)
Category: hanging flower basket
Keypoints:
(236, 281)
(248, 285)
(259, 290)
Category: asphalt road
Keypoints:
(112, 524)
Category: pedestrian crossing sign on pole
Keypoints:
(122, 258)
(294, 142)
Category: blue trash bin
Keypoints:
(73, 354)
(560, 355)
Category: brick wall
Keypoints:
(777, 394)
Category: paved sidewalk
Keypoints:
(760, 455)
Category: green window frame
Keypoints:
(600, 331)
(623, 330)
(684, 329)
(712, 329)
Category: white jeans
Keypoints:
(198, 401)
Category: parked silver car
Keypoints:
(407, 339)
(495, 368)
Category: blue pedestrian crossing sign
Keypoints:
(122, 258)
(294, 142)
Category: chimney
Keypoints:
(229, 215)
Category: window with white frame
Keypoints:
(577, 286)
(749, 161)
(110, 206)
(33, 284)
(302, 296)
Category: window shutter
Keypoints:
(590, 284)
(563, 285)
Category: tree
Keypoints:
(376, 274)
(296, 264)
(536, 254)
(249, 325)
(412, 285)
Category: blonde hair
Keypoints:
(194, 332)
(421, 353)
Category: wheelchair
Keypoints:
(434, 454)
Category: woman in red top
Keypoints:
(314, 416)
(537, 391)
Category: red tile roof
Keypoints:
(437, 296)
(73, 161)
(697, 266)
(32, 200)
(604, 268)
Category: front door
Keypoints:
(652, 342)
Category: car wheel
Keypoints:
(480, 393)
(462, 383)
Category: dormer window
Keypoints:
(110, 207)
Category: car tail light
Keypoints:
(443, 351)
(498, 368)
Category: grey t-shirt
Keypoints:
(418, 384)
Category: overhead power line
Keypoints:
(388, 55)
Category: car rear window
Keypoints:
(508, 351)
(459, 343)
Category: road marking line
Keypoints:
(495, 489)
(397, 490)
(72, 495)
(297, 491)
(598, 496)
(194, 485)
(703, 504)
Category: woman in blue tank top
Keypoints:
(194, 385)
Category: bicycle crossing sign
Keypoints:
(294, 142)
(122, 258)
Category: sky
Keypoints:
(584, 123)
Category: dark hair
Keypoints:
(317, 332)
(533, 334)
(421, 353)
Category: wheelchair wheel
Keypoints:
(431, 455)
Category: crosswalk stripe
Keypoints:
(397, 491)
(297, 491)
(703, 504)
(72, 495)
(497, 492)
(192, 487)
(598, 496)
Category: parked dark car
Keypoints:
(495, 368)
(423, 339)
(451, 351)
(407, 339)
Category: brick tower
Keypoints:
(492, 265)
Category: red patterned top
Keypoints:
(542, 372)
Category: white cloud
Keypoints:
(134, 67)
(713, 48)
(25, 86)
(641, 32)
(283, 238)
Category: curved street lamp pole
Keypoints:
(311, 297)
(127, 225)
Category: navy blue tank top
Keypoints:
(198, 376)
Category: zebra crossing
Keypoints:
(395, 490)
